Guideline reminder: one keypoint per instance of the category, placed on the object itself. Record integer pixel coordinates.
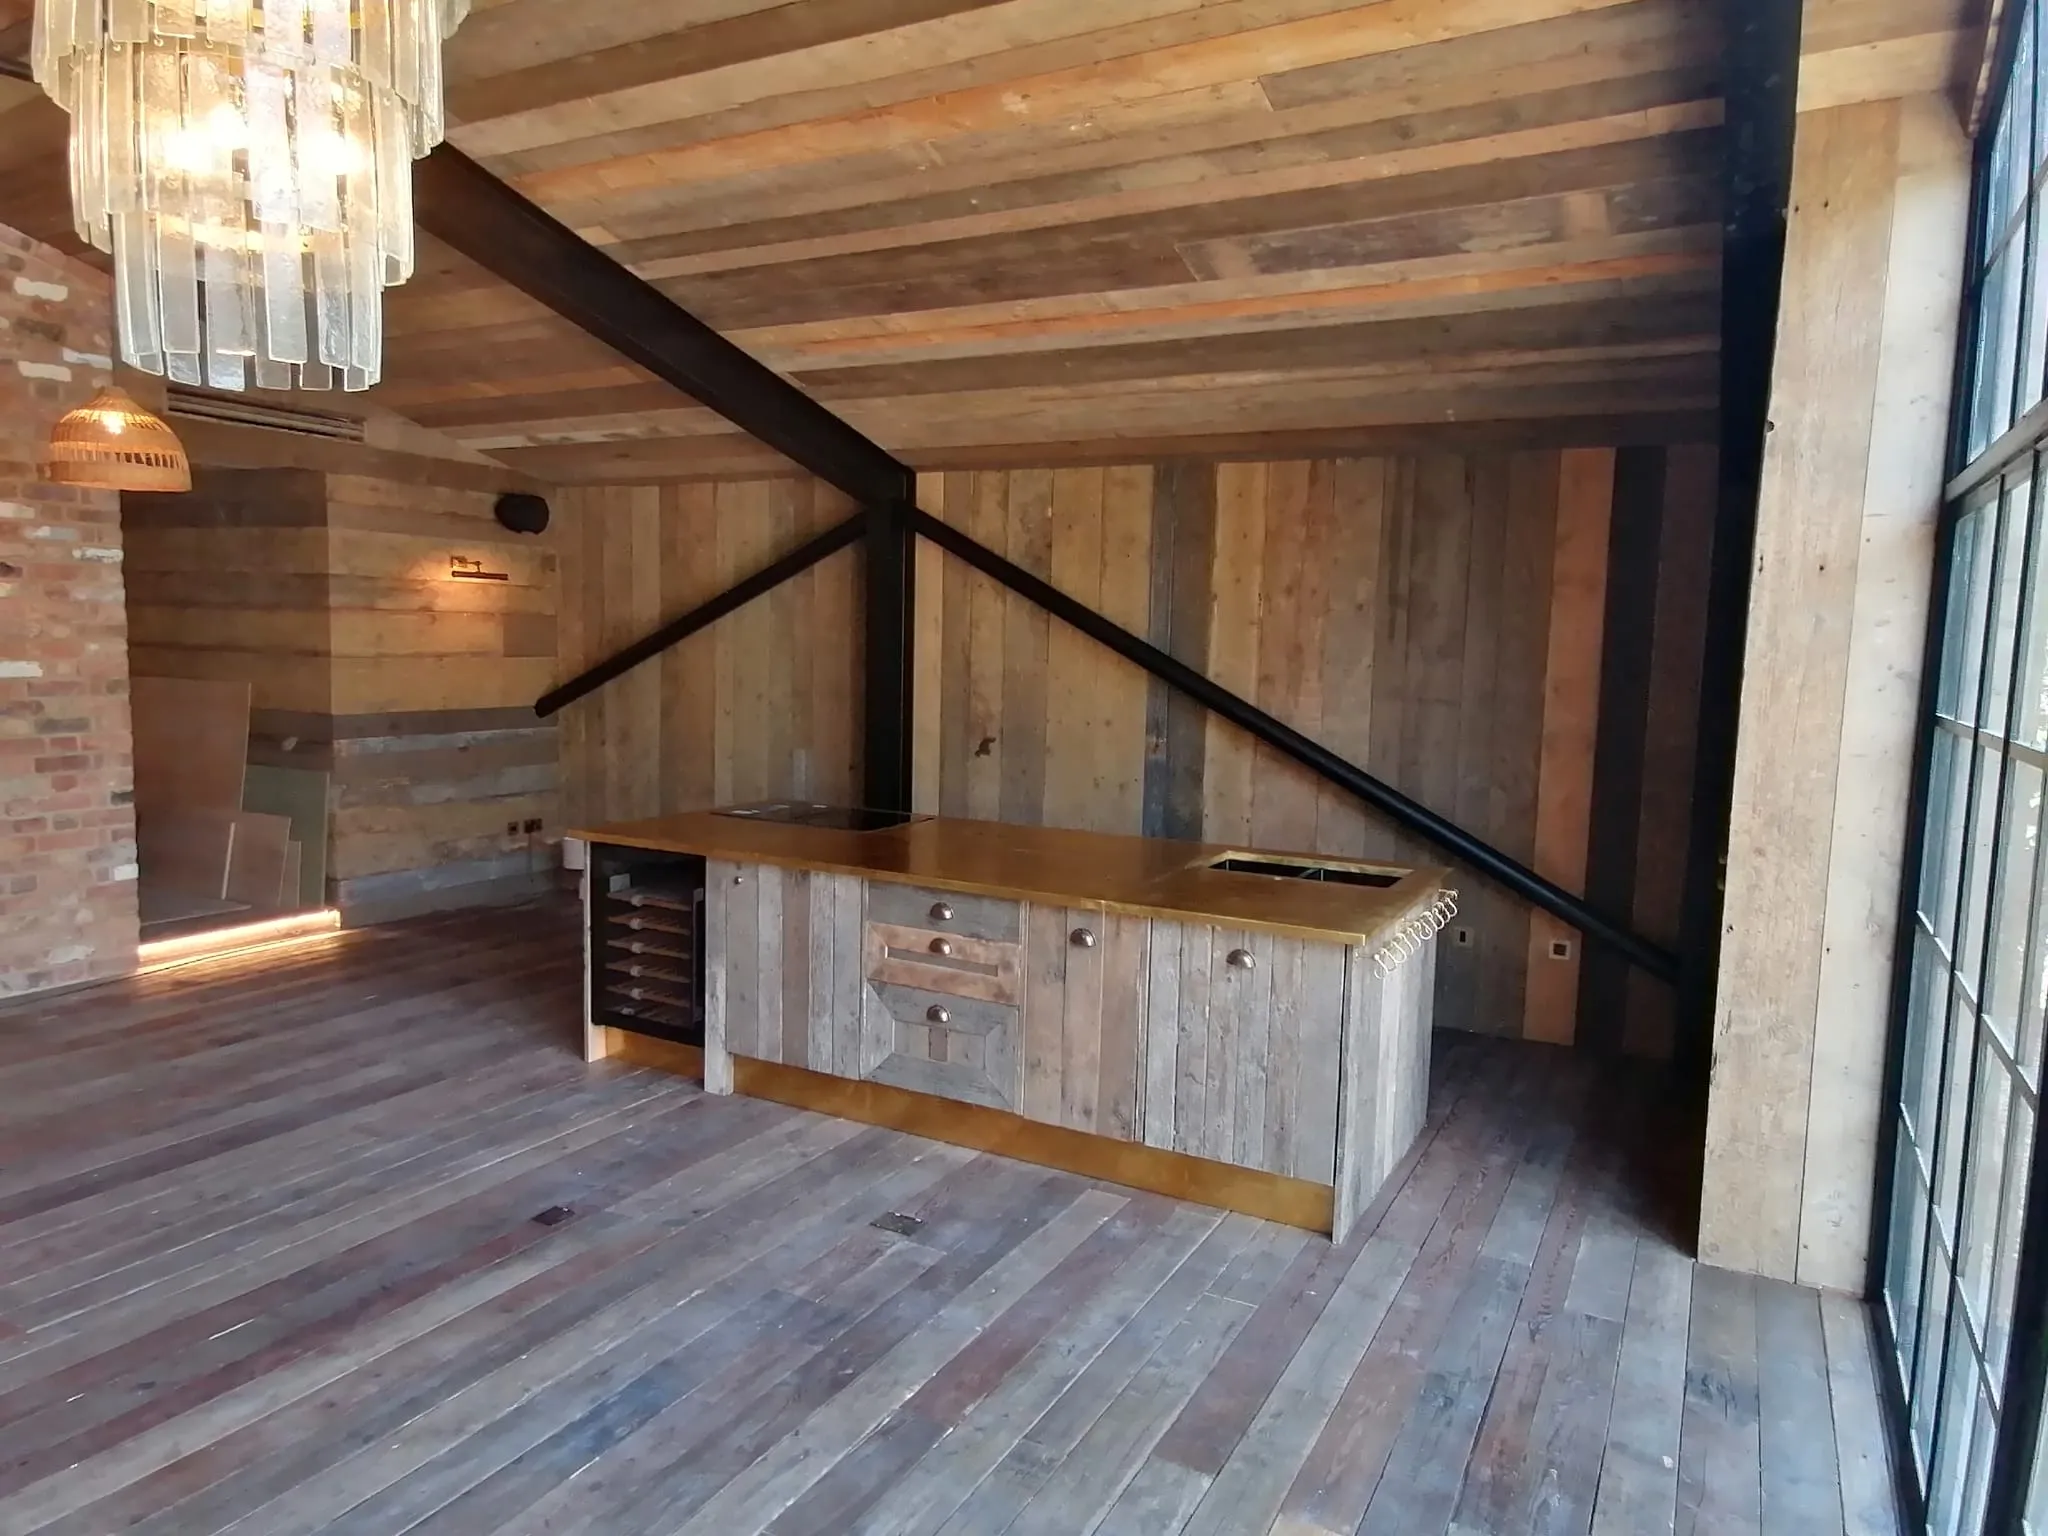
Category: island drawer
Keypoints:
(989, 918)
(935, 1042)
(952, 963)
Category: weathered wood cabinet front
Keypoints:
(1284, 1055)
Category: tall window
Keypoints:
(1977, 993)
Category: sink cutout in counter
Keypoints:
(1327, 874)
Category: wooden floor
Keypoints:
(269, 1264)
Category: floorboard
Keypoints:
(269, 1265)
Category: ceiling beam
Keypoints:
(468, 208)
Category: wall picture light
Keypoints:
(460, 569)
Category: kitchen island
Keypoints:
(1244, 1028)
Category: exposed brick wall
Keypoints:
(67, 830)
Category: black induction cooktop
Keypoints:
(838, 818)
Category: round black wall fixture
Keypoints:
(523, 513)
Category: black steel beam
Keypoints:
(831, 541)
(1760, 82)
(890, 669)
(464, 205)
(1318, 759)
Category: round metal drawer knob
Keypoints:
(938, 1015)
(1243, 959)
(941, 912)
(1083, 938)
(942, 946)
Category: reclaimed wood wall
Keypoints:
(1851, 494)
(764, 704)
(331, 594)
(1438, 619)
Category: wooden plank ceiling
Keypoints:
(990, 230)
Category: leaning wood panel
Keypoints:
(1848, 502)
(1902, 484)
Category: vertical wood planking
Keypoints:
(1072, 661)
(1350, 630)
(927, 706)
(1126, 975)
(1571, 701)
(1670, 732)
(1117, 785)
(1191, 1088)
(718, 1044)
(1027, 644)
(1521, 659)
(1235, 613)
(1628, 651)
(1045, 1012)
(986, 620)
(1283, 796)
(1081, 1021)
(1162, 1033)
(1399, 609)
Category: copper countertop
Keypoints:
(1149, 877)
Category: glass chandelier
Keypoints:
(248, 164)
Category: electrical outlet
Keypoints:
(511, 829)
(533, 826)
(1463, 938)
(1560, 949)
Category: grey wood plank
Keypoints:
(1720, 1464)
(771, 891)
(741, 954)
(1160, 1068)
(1802, 1483)
(954, 1471)
(1639, 1473)
(849, 899)
(1869, 1497)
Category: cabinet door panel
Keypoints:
(1084, 1008)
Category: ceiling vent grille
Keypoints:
(192, 405)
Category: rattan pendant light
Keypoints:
(112, 444)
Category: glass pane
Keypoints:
(1955, 1110)
(1958, 1432)
(1926, 1015)
(1933, 1333)
(1957, 678)
(1998, 330)
(1974, 590)
(1984, 1181)
(2030, 700)
(1977, 848)
(2011, 568)
(2006, 1257)
(2034, 1004)
(1998, 201)
(1948, 819)
(2034, 353)
(1908, 1247)
(2019, 106)
(1977, 1482)
(2019, 841)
